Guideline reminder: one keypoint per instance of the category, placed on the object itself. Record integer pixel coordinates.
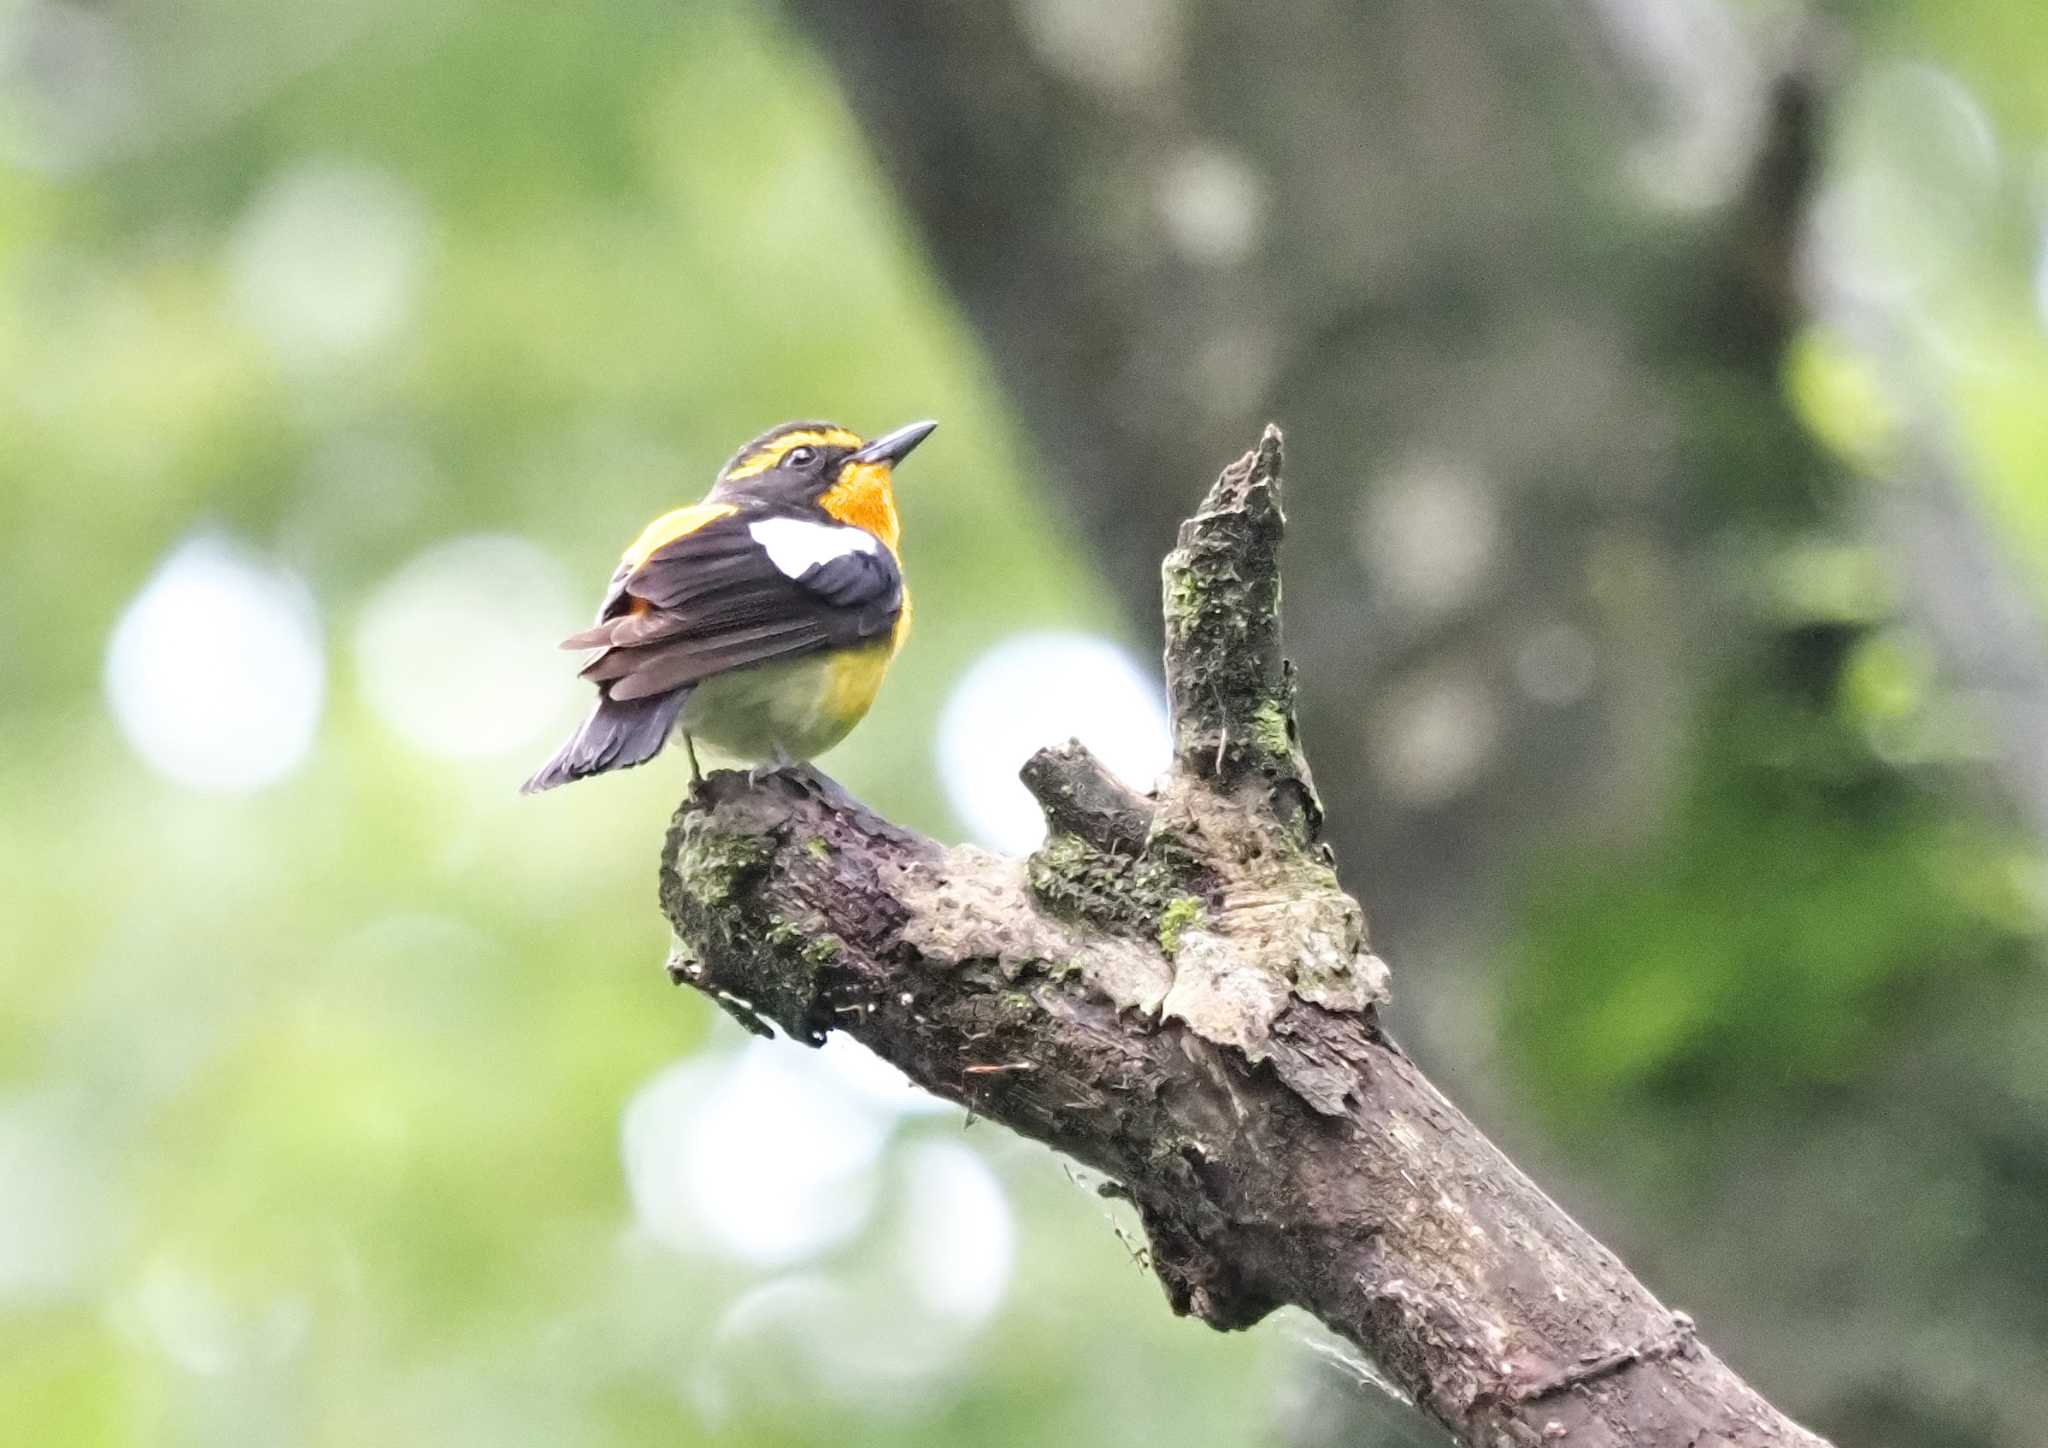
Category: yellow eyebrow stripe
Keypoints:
(771, 453)
(670, 526)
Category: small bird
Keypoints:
(759, 621)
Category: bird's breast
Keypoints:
(792, 710)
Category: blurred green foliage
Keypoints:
(1794, 921)
(1805, 1010)
(1830, 859)
(310, 1098)
(1978, 170)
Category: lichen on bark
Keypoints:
(1175, 991)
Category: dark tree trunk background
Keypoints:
(1174, 991)
(1518, 279)
(1405, 225)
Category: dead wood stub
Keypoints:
(1175, 991)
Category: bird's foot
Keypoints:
(776, 765)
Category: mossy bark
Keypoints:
(1175, 991)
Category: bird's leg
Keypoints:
(696, 774)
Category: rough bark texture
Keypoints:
(1175, 991)
(1551, 470)
(1416, 230)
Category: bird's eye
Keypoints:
(799, 457)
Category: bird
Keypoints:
(759, 621)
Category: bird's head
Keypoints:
(803, 464)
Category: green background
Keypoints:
(314, 1095)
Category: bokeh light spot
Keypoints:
(457, 649)
(874, 1336)
(1434, 735)
(957, 1237)
(829, 1338)
(1698, 59)
(326, 263)
(874, 1080)
(216, 673)
(189, 1319)
(52, 1206)
(1036, 689)
(1555, 664)
(1916, 166)
(1428, 533)
(1213, 206)
(758, 1155)
(1119, 50)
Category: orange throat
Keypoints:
(863, 497)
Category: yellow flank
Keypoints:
(864, 498)
(902, 630)
(855, 679)
(766, 457)
(670, 526)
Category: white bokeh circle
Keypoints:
(1036, 689)
(457, 649)
(216, 672)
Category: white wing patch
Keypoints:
(796, 545)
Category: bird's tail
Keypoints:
(619, 734)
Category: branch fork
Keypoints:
(1174, 990)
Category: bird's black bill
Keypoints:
(894, 447)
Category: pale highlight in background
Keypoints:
(216, 673)
(457, 648)
(1036, 689)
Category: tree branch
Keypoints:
(1174, 990)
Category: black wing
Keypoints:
(718, 599)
